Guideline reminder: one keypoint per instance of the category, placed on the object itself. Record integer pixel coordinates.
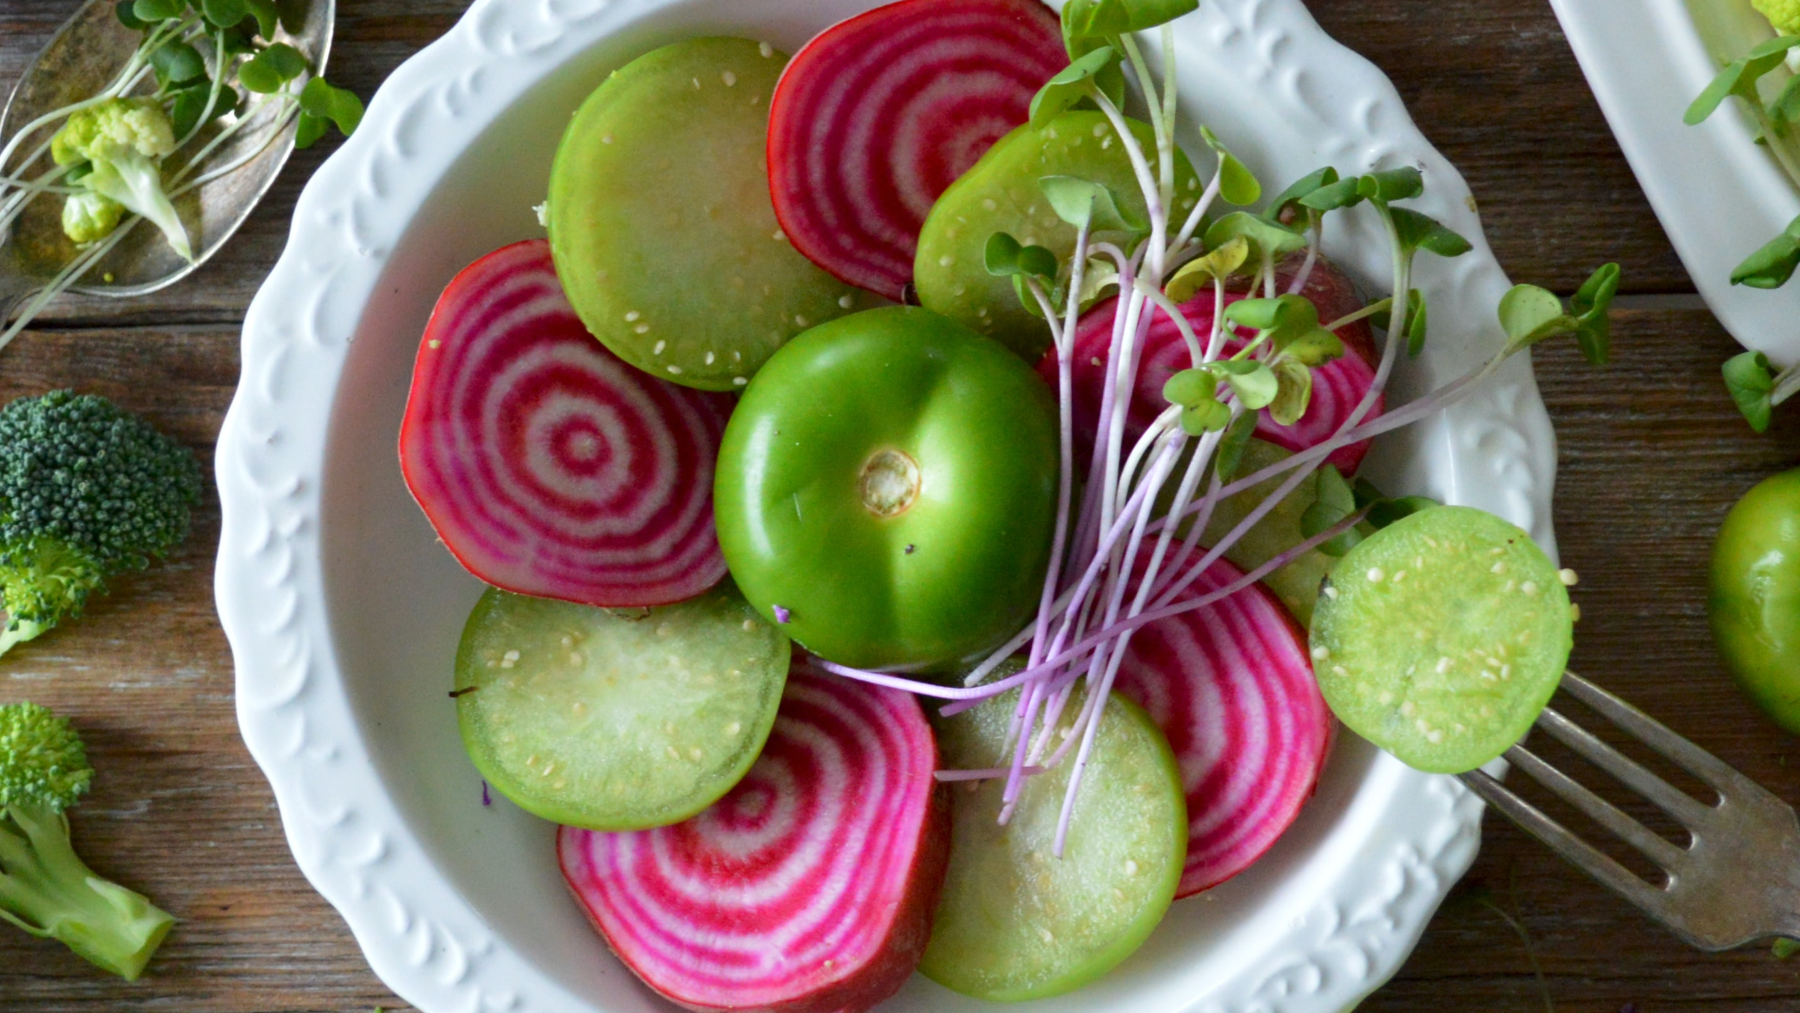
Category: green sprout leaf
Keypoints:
(1785, 109)
(1784, 948)
(1387, 511)
(1298, 191)
(1739, 78)
(1206, 417)
(327, 102)
(1230, 454)
(1082, 202)
(1099, 277)
(1237, 185)
(1593, 328)
(1415, 231)
(1343, 193)
(1190, 388)
(225, 13)
(150, 12)
(1266, 238)
(1094, 19)
(272, 68)
(1004, 257)
(1391, 185)
(309, 128)
(184, 114)
(1253, 381)
(1310, 348)
(176, 64)
(1265, 314)
(1069, 86)
(1148, 14)
(1415, 321)
(1530, 314)
(1295, 392)
(1333, 502)
(268, 16)
(1773, 264)
(127, 16)
(1750, 379)
(1219, 263)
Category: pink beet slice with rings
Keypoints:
(879, 114)
(1231, 686)
(809, 888)
(548, 465)
(1338, 386)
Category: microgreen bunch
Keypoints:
(1753, 382)
(123, 154)
(1128, 553)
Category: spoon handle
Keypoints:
(14, 290)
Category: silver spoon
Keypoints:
(82, 58)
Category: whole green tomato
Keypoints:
(887, 490)
(1754, 602)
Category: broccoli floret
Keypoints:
(90, 217)
(124, 141)
(87, 491)
(45, 888)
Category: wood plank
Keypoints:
(179, 811)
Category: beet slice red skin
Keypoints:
(1232, 688)
(674, 902)
(548, 465)
(1337, 386)
(879, 114)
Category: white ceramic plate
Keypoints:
(1718, 194)
(343, 611)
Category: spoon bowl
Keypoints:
(81, 59)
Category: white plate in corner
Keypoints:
(1719, 195)
(343, 611)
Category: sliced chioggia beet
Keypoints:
(1231, 687)
(1002, 194)
(617, 719)
(660, 218)
(1016, 922)
(809, 888)
(1442, 636)
(547, 465)
(1338, 386)
(879, 114)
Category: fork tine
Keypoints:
(1583, 855)
(1634, 775)
(1655, 734)
(1603, 812)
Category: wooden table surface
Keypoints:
(1652, 456)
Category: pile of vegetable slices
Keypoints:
(837, 449)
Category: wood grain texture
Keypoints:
(1652, 456)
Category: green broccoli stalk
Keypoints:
(45, 888)
(87, 491)
(123, 140)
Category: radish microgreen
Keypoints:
(1132, 553)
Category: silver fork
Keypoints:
(1739, 878)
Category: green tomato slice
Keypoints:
(1001, 193)
(661, 224)
(887, 489)
(1015, 922)
(1441, 637)
(617, 719)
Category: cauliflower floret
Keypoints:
(88, 217)
(123, 140)
(1783, 14)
